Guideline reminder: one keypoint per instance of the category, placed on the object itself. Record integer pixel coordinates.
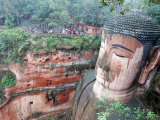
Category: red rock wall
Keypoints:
(43, 72)
(29, 106)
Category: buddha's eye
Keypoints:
(120, 56)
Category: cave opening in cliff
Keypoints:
(31, 103)
(49, 99)
(26, 60)
(47, 60)
(67, 75)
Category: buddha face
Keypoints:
(120, 61)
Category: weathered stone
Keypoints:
(126, 65)
(56, 72)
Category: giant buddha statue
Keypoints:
(127, 62)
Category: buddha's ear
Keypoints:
(152, 61)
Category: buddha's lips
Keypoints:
(103, 74)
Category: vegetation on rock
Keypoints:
(7, 79)
(61, 115)
(124, 112)
(48, 42)
(153, 94)
(14, 44)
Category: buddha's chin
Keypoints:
(103, 90)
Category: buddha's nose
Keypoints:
(103, 63)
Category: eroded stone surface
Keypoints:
(58, 70)
(127, 62)
(120, 69)
(29, 106)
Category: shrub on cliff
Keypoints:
(11, 40)
(49, 42)
(123, 111)
(15, 42)
(8, 80)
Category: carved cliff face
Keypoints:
(119, 61)
(46, 85)
(119, 66)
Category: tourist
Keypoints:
(52, 31)
(44, 31)
(32, 30)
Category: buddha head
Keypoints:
(128, 57)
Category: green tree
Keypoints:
(52, 24)
(59, 11)
(154, 12)
(123, 111)
(92, 15)
(50, 12)
(11, 8)
(76, 9)
(115, 3)
(9, 22)
(9, 79)
(64, 17)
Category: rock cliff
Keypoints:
(45, 85)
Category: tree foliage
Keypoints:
(51, 12)
(9, 22)
(8, 79)
(10, 42)
(154, 12)
(123, 111)
(114, 3)
(89, 12)
(52, 24)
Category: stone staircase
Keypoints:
(26, 24)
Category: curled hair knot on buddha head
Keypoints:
(138, 25)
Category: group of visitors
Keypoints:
(45, 31)
(60, 32)
(50, 31)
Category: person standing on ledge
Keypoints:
(60, 32)
(126, 65)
